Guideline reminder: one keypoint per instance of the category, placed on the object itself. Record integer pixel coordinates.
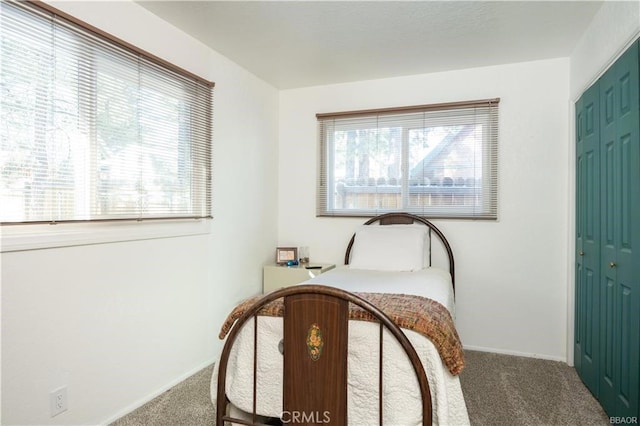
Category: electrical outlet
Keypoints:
(58, 399)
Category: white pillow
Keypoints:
(390, 247)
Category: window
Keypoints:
(93, 129)
(438, 161)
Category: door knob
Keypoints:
(580, 253)
(612, 264)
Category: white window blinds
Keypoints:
(95, 129)
(439, 161)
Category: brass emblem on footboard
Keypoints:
(314, 342)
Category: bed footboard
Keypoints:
(315, 356)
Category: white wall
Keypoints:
(511, 284)
(614, 27)
(117, 323)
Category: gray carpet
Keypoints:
(186, 404)
(511, 390)
(498, 389)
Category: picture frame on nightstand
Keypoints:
(286, 254)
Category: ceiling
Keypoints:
(294, 44)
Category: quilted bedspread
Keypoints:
(420, 314)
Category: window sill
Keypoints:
(35, 237)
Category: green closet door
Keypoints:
(607, 318)
(587, 238)
(620, 236)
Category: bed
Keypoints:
(390, 275)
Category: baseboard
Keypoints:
(516, 353)
(140, 402)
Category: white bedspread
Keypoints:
(402, 402)
(433, 283)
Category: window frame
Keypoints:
(57, 17)
(47, 236)
(326, 200)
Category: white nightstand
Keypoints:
(276, 276)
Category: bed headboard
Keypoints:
(408, 219)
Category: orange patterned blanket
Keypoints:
(420, 314)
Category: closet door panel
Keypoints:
(579, 319)
(620, 163)
(587, 239)
(628, 292)
(609, 197)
